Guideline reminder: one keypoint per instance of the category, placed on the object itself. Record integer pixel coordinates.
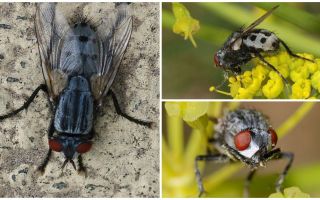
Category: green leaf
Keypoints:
(189, 111)
(291, 192)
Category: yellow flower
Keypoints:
(301, 89)
(291, 192)
(315, 81)
(263, 82)
(185, 25)
(274, 86)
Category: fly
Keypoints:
(248, 43)
(79, 62)
(245, 136)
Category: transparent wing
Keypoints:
(51, 27)
(244, 31)
(114, 33)
(258, 21)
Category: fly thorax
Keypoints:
(237, 44)
(74, 114)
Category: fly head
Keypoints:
(254, 144)
(233, 54)
(71, 147)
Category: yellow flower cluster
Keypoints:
(303, 79)
(184, 25)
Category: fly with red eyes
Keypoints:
(79, 61)
(244, 135)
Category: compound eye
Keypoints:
(274, 137)
(55, 145)
(216, 59)
(84, 147)
(242, 140)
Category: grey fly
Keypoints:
(245, 136)
(248, 43)
(79, 63)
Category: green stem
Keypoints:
(175, 136)
(290, 123)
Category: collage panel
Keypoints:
(85, 94)
(90, 129)
(241, 50)
(240, 149)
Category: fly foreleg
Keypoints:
(277, 154)
(82, 169)
(218, 158)
(119, 111)
(290, 157)
(43, 165)
(247, 183)
(42, 87)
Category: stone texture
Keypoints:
(124, 161)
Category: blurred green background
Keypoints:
(188, 72)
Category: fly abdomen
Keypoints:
(74, 112)
(261, 40)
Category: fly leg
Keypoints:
(291, 53)
(119, 111)
(277, 154)
(290, 157)
(44, 163)
(82, 169)
(272, 67)
(218, 158)
(247, 183)
(42, 87)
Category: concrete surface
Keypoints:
(124, 160)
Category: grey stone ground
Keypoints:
(124, 161)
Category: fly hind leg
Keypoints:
(291, 53)
(42, 87)
(120, 112)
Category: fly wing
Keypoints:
(244, 31)
(258, 21)
(114, 34)
(51, 27)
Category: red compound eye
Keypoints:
(242, 140)
(274, 137)
(84, 147)
(216, 60)
(55, 145)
